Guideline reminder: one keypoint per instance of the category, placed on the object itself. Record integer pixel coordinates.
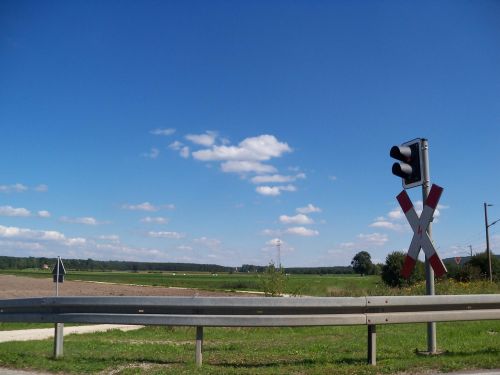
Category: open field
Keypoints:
(316, 350)
(314, 285)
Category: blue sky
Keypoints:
(189, 131)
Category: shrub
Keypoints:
(273, 281)
(391, 271)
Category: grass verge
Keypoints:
(317, 350)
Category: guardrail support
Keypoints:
(58, 340)
(372, 344)
(199, 346)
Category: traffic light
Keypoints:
(410, 167)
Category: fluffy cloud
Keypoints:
(299, 219)
(274, 190)
(263, 147)
(302, 231)
(309, 209)
(155, 220)
(212, 243)
(171, 235)
(276, 178)
(146, 206)
(207, 139)
(375, 239)
(15, 188)
(43, 235)
(12, 211)
(42, 188)
(245, 166)
(168, 131)
(44, 213)
(87, 220)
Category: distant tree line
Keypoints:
(8, 262)
(301, 270)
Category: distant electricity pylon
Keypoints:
(278, 249)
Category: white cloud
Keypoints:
(382, 223)
(308, 209)
(175, 145)
(302, 231)
(271, 232)
(274, 242)
(212, 243)
(15, 188)
(263, 147)
(268, 190)
(207, 139)
(375, 239)
(42, 188)
(12, 211)
(171, 235)
(110, 237)
(145, 206)
(332, 178)
(155, 220)
(276, 178)
(245, 166)
(274, 190)
(43, 235)
(44, 213)
(87, 220)
(299, 219)
(167, 131)
(153, 154)
(184, 248)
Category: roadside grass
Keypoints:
(316, 350)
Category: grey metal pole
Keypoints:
(199, 346)
(372, 344)
(429, 272)
(58, 340)
(488, 251)
(58, 327)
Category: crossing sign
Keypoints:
(58, 271)
(420, 236)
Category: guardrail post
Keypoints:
(58, 340)
(372, 344)
(199, 346)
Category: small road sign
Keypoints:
(420, 236)
(58, 271)
(458, 260)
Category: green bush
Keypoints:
(273, 281)
(391, 271)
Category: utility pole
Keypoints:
(470, 247)
(429, 271)
(278, 248)
(487, 226)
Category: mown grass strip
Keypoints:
(317, 350)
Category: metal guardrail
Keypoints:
(250, 312)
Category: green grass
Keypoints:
(317, 350)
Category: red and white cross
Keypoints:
(420, 236)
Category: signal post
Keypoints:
(413, 169)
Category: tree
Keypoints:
(391, 271)
(273, 281)
(362, 263)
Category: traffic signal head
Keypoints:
(410, 166)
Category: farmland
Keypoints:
(314, 350)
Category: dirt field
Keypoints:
(18, 287)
